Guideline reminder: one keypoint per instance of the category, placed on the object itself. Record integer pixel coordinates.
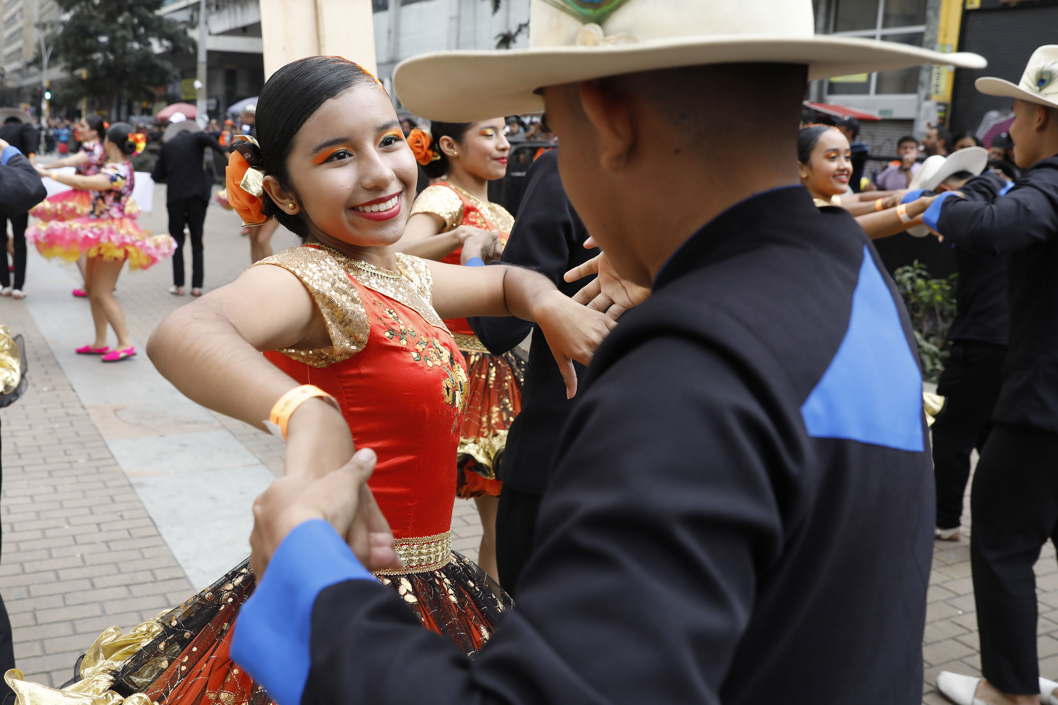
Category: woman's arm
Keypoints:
(423, 237)
(99, 182)
(72, 160)
(860, 204)
(210, 351)
(888, 222)
(573, 331)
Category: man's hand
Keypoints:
(4, 145)
(573, 331)
(341, 498)
(480, 244)
(609, 292)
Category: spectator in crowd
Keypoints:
(248, 121)
(515, 129)
(188, 187)
(407, 125)
(1002, 147)
(898, 174)
(1002, 167)
(937, 141)
(966, 139)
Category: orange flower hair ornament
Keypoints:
(420, 140)
(244, 180)
(140, 140)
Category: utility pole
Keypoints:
(200, 82)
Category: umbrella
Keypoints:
(187, 109)
(841, 111)
(242, 105)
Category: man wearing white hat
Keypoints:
(740, 505)
(1014, 500)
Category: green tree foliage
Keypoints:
(931, 305)
(116, 42)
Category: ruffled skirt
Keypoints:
(182, 656)
(63, 206)
(109, 238)
(494, 398)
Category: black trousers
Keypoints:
(7, 649)
(1014, 503)
(970, 384)
(18, 232)
(515, 527)
(190, 212)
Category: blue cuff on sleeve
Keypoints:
(8, 152)
(274, 627)
(474, 262)
(913, 195)
(932, 215)
(1003, 191)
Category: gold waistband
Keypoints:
(469, 342)
(422, 553)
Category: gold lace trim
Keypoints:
(497, 214)
(422, 554)
(442, 202)
(469, 342)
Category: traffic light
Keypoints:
(47, 95)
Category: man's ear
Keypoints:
(611, 116)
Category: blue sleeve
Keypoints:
(913, 195)
(1003, 191)
(7, 153)
(273, 630)
(932, 215)
(474, 262)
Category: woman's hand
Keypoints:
(609, 292)
(41, 171)
(480, 244)
(573, 332)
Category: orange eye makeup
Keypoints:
(328, 153)
(393, 133)
(488, 132)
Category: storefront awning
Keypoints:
(841, 111)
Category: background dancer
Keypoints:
(108, 235)
(88, 160)
(450, 219)
(1014, 498)
(187, 192)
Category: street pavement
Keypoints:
(121, 498)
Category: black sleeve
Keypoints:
(206, 140)
(20, 185)
(160, 172)
(987, 187)
(647, 555)
(30, 139)
(543, 233)
(1024, 216)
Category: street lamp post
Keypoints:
(200, 82)
(45, 55)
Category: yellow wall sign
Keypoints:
(948, 41)
(187, 89)
(853, 78)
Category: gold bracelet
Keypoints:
(879, 205)
(288, 404)
(901, 211)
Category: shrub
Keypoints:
(931, 305)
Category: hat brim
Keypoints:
(461, 86)
(971, 159)
(22, 115)
(1006, 89)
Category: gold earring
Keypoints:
(290, 206)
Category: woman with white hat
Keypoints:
(1014, 499)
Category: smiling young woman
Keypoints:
(360, 323)
(824, 160)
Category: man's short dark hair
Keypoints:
(851, 124)
(958, 176)
(906, 138)
(12, 120)
(944, 135)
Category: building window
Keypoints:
(902, 21)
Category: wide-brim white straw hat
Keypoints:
(174, 129)
(582, 40)
(1039, 83)
(22, 115)
(938, 169)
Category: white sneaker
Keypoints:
(1047, 689)
(960, 689)
(6, 291)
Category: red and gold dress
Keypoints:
(495, 393)
(399, 379)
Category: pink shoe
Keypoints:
(116, 355)
(89, 350)
(80, 293)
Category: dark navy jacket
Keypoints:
(1023, 225)
(741, 510)
(548, 237)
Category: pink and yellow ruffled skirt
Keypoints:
(72, 204)
(109, 238)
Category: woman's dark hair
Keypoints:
(119, 134)
(96, 124)
(289, 98)
(807, 140)
(457, 131)
(963, 135)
